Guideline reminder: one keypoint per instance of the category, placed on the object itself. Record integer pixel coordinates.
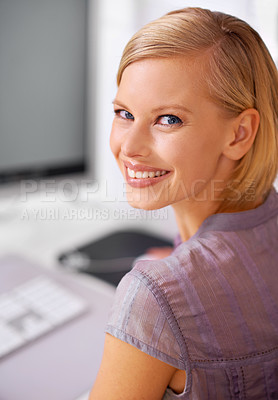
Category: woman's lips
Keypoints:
(140, 176)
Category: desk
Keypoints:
(41, 231)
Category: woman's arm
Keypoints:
(128, 373)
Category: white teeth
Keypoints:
(144, 174)
(131, 173)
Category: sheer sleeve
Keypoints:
(136, 318)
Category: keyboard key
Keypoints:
(33, 309)
(10, 308)
(9, 339)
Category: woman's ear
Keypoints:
(245, 127)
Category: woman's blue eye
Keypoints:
(169, 120)
(124, 114)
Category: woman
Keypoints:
(195, 127)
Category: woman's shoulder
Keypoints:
(215, 290)
(207, 252)
(224, 241)
(234, 266)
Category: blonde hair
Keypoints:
(239, 74)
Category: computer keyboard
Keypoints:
(30, 310)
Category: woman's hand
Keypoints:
(159, 252)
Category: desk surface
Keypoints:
(41, 230)
(63, 363)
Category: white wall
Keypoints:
(115, 24)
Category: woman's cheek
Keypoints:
(115, 144)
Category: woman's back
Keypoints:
(211, 308)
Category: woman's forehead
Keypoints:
(174, 80)
(160, 86)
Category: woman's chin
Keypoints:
(148, 198)
(144, 204)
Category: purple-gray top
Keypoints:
(211, 307)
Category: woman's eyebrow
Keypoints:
(158, 109)
(172, 107)
(119, 103)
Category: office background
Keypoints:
(110, 25)
(32, 226)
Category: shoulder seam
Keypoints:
(111, 329)
(174, 325)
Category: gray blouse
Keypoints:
(211, 307)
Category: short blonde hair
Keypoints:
(239, 74)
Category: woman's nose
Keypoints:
(136, 142)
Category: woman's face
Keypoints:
(167, 136)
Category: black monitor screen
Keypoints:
(42, 87)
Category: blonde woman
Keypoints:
(195, 127)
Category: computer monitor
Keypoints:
(43, 59)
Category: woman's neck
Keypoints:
(190, 214)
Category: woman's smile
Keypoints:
(139, 176)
